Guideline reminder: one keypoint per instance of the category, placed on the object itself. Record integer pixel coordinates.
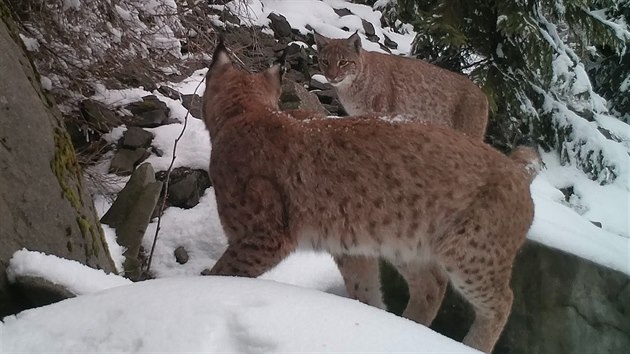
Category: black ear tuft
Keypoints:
(320, 40)
(355, 41)
(281, 61)
(275, 73)
(221, 56)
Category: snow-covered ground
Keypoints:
(215, 315)
(184, 312)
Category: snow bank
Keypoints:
(217, 315)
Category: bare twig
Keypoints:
(166, 183)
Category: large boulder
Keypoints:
(562, 304)
(43, 203)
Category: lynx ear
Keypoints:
(274, 75)
(320, 40)
(354, 42)
(220, 58)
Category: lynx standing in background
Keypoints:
(412, 193)
(371, 82)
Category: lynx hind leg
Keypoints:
(480, 266)
(427, 285)
(258, 239)
(362, 278)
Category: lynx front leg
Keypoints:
(427, 286)
(252, 256)
(255, 221)
(362, 278)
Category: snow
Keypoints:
(31, 44)
(321, 17)
(73, 275)
(216, 315)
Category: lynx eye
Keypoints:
(324, 62)
(343, 62)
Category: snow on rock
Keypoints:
(72, 275)
(216, 315)
(321, 16)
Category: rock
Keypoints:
(335, 110)
(130, 214)
(185, 188)
(317, 85)
(228, 16)
(390, 44)
(148, 113)
(368, 29)
(343, 12)
(44, 205)
(135, 137)
(562, 304)
(185, 193)
(193, 104)
(125, 160)
(169, 92)
(294, 96)
(597, 223)
(280, 26)
(326, 96)
(40, 291)
(98, 116)
(181, 255)
(295, 76)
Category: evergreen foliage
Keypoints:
(533, 59)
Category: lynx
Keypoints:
(369, 82)
(422, 196)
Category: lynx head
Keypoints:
(229, 90)
(339, 59)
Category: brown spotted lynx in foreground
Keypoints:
(371, 82)
(413, 193)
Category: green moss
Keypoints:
(84, 226)
(66, 168)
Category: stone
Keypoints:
(368, 28)
(295, 96)
(186, 186)
(136, 137)
(343, 12)
(169, 92)
(181, 255)
(228, 16)
(131, 213)
(125, 160)
(39, 291)
(148, 113)
(562, 304)
(390, 44)
(318, 85)
(98, 116)
(151, 119)
(44, 205)
(326, 96)
(185, 192)
(193, 104)
(280, 26)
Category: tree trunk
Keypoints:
(43, 203)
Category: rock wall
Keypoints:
(562, 304)
(43, 205)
